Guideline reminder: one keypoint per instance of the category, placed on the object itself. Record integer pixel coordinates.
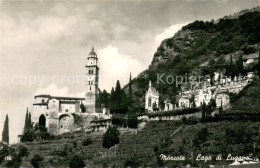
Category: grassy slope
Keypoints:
(141, 146)
(248, 100)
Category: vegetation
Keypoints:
(247, 100)
(76, 162)
(38, 132)
(87, 142)
(17, 156)
(5, 133)
(111, 137)
(82, 108)
(174, 113)
(130, 121)
(27, 123)
(35, 161)
(4, 150)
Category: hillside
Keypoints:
(143, 148)
(199, 49)
(248, 100)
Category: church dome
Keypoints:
(92, 53)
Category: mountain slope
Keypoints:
(198, 49)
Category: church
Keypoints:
(57, 114)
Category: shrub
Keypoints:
(3, 152)
(132, 162)
(74, 144)
(132, 122)
(87, 142)
(111, 137)
(28, 136)
(35, 161)
(23, 151)
(77, 162)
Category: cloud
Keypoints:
(169, 32)
(115, 65)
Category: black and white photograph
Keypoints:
(130, 83)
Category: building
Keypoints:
(251, 58)
(184, 102)
(100, 125)
(58, 114)
(222, 99)
(55, 113)
(204, 95)
(92, 82)
(151, 99)
(168, 106)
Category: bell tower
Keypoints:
(91, 82)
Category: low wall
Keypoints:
(173, 118)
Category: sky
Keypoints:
(44, 44)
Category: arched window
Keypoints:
(149, 102)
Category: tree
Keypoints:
(155, 108)
(78, 121)
(26, 120)
(83, 108)
(240, 65)
(111, 137)
(87, 142)
(27, 123)
(231, 67)
(203, 108)
(77, 162)
(258, 66)
(130, 92)
(132, 162)
(112, 99)
(28, 136)
(35, 161)
(132, 121)
(118, 100)
(5, 133)
(3, 152)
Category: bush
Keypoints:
(3, 152)
(132, 162)
(132, 122)
(87, 142)
(77, 162)
(111, 137)
(28, 136)
(23, 151)
(74, 144)
(35, 161)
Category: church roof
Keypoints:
(92, 53)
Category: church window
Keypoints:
(66, 110)
(149, 102)
(42, 100)
(90, 88)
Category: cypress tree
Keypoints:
(240, 66)
(5, 133)
(26, 120)
(258, 65)
(130, 94)
(29, 121)
(117, 97)
(203, 111)
(112, 99)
